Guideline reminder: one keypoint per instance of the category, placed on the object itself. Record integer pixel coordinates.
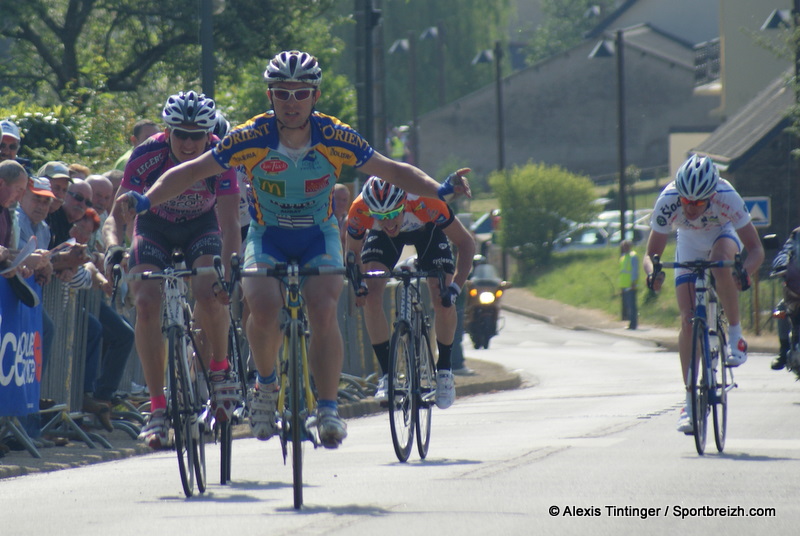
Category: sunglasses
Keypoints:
(388, 215)
(11, 147)
(299, 94)
(695, 203)
(80, 199)
(194, 135)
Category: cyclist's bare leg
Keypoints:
(326, 348)
(726, 249)
(149, 346)
(263, 295)
(374, 315)
(209, 313)
(445, 317)
(685, 295)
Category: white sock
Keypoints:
(735, 332)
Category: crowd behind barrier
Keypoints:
(63, 377)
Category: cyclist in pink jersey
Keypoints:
(188, 222)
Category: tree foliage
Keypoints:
(565, 23)
(70, 46)
(538, 202)
(468, 26)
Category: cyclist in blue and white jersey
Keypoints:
(293, 155)
(712, 223)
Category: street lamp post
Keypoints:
(437, 33)
(604, 50)
(409, 46)
(489, 56)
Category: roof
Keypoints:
(746, 132)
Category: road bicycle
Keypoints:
(412, 371)
(238, 361)
(187, 386)
(710, 379)
(296, 415)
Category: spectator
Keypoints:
(77, 200)
(10, 144)
(115, 176)
(79, 171)
(13, 181)
(102, 198)
(58, 175)
(110, 337)
(143, 129)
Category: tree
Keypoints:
(565, 23)
(468, 27)
(538, 202)
(69, 47)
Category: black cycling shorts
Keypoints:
(433, 249)
(154, 239)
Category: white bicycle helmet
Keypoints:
(381, 196)
(190, 108)
(697, 178)
(293, 66)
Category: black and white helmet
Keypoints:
(293, 66)
(190, 108)
(222, 126)
(381, 196)
(697, 178)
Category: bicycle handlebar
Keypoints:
(702, 265)
(174, 274)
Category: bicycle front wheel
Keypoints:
(297, 410)
(180, 401)
(722, 381)
(426, 393)
(401, 390)
(698, 386)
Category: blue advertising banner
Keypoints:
(20, 352)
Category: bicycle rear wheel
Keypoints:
(698, 386)
(401, 390)
(426, 393)
(180, 408)
(226, 428)
(722, 380)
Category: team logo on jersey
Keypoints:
(661, 221)
(274, 165)
(276, 188)
(226, 183)
(317, 185)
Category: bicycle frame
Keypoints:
(187, 411)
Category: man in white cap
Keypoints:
(58, 175)
(11, 140)
(10, 144)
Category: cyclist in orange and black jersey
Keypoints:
(381, 221)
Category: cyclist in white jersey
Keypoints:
(712, 223)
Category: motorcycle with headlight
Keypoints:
(482, 311)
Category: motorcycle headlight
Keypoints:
(486, 298)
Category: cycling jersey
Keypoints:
(151, 159)
(724, 215)
(418, 211)
(725, 206)
(289, 193)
